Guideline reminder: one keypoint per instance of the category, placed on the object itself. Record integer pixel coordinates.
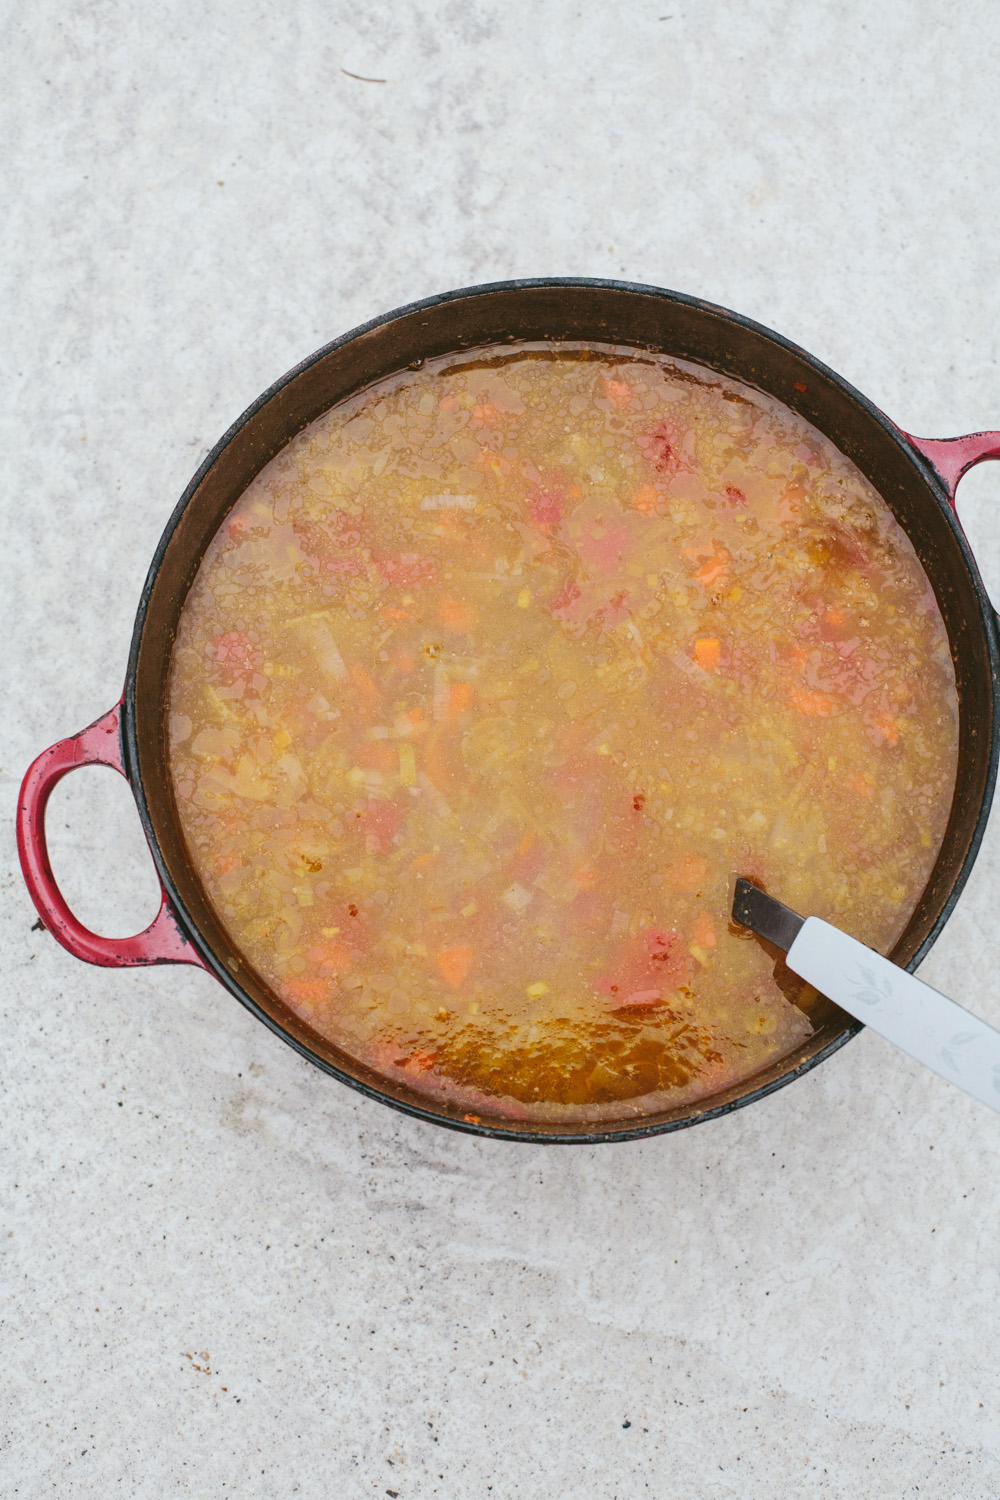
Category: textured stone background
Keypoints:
(223, 1273)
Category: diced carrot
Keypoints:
(365, 686)
(706, 652)
(423, 860)
(420, 1062)
(436, 765)
(376, 754)
(473, 1119)
(861, 786)
(703, 932)
(791, 502)
(815, 705)
(714, 571)
(887, 726)
(585, 877)
(835, 616)
(645, 500)
(454, 964)
(686, 873)
(456, 614)
(799, 655)
(459, 699)
(619, 392)
(526, 842)
(305, 990)
(404, 663)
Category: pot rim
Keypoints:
(626, 1132)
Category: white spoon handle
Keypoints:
(924, 1023)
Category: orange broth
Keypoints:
(494, 677)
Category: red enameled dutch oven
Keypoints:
(917, 478)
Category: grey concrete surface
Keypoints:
(223, 1274)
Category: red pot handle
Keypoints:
(953, 457)
(163, 942)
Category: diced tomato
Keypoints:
(565, 598)
(734, 496)
(658, 446)
(545, 508)
(237, 654)
(343, 567)
(653, 961)
(377, 823)
(815, 705)
(407, 569)
(603, 547)
(616, 609)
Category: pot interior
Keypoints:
(609, 313)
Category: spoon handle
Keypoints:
(920, 1020)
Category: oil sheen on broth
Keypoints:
(495, 676)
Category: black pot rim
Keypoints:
(498, 1131)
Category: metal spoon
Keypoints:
(937, 1032)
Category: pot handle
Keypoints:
(950, 458)
(162, 942)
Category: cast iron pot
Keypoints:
(917, 478)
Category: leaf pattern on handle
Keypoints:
(960, 1039)
(933, 1029)
(871, 989)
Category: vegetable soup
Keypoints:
(494, 677)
